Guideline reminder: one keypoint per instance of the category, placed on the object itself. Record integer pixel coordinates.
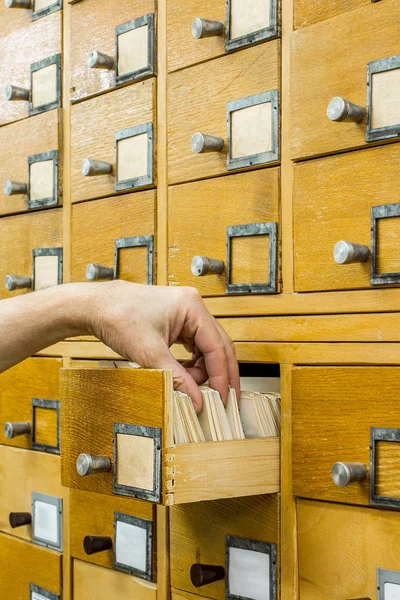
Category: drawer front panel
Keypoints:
(307, 13)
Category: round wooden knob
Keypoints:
(18, 519)
(204, 574)
(92, 544)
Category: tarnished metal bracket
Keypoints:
(143, 180)
(149, 70)
(386, 211)
(43, 12)
(384, 577)
(136, 242)
(263, 157)
(41, 64)
(50, 405)
(57, 503)
(254, 546)
(390, 131)
(254, 37)
(270, 286)
(379, 434)
(35, 158)
(148, 527)
(38, 593)
(153, 495)
(48, 252)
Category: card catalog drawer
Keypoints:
(224, 115)
(347, 221)
(308, 12)
(345, 82)
(113, 142)
(29, 405)
(15, 14)
(111, 45)
(347, 552)
(211, 542)
(345, 436)
(204, 223)
(30, 252)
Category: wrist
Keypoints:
(74, 308)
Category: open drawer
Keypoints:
(116, 428)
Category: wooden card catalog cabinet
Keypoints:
(126, 446)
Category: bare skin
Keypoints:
(138, 322)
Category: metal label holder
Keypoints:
(43, 12)
(35, 589)
(48, 252)
(255, 546)
(153, 495)
(270, 229)
(379, 434)
(144, 524)
(144, 72)
(262, 157)
(380, 66)
(136, 242)
(41, 64)
(384, 576)
(387, 211)
(254, 37)
(51, 405)
(35, 158)
(57, 502)
(142, 180)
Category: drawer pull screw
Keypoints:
(91, 167)
(17, 282)
(12, 188)
(345, 253)
(98, 60)
(204, 574)
(202, 265)
(203, 142)
(204, 28)
(13, 429)
(339, 109)
(344, 473)
(15, 93)
(86, 464)
(18, 519)
(96, 272)
(96, 543)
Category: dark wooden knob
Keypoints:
(18, 519)
(96, 543)
(205, 574)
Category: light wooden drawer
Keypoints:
(346, 415)
(210, 542)
(26, 569)
(105, 529)
(23, 45)
(130, 57)
(214, 214)
(235, 25)
(307, 13)
(136, 429)
(33, 159)
(347, 552)
(29, 404)
(31, 247)
(236, 95)
(349, 47)
(92, 581)
(15, 17)
(117, 233)
(351, 197)
(118, 130)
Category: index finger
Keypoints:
(210, 343)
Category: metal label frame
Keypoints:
(255, 546)
(144, 524)
(35, 589)
(58, 503)
(35, 158)
(43, 12)
(136, 242)
(48, 252)
(55, 59)
(380, 434)
(153, 495)
(386, 211)
(261, 158)
(142, 180)
(373, 67)
(384, 575)
(253, 37)
(51, 405)
(250, 230)
(147, 71)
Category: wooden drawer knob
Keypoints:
(15, 93)
(204, 28)
(98, 60)
(88, 464)
(345, 253)
(91, 168)
(94, 272)
(203, 142)
(339, 109)
(13, 429)
(17, 282)
(202, 265)
(18, 3)
(204, 574)
(96, 543)
(18, 519)
(344, 473)
(13, 188)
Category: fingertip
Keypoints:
(190, 387)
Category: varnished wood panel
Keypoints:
(333, 409)
(19, 235)
(180, 595)
(22, 563)
(332, 199)
(198, 226)
(46, 426)
(340, 548)
(93, 125)
(345, 46)
(197, 100)
(307, 13)
(96, 226)
(198, 535)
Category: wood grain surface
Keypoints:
(308, 12)
(46, 426)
